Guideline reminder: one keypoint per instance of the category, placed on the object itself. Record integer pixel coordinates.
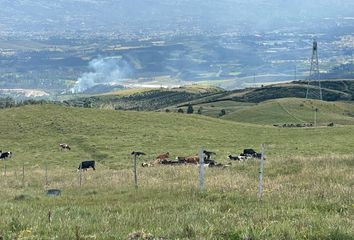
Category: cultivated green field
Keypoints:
(308, 181)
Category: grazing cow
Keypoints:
(163, 156)
(87, 164)
(4, 155)
(64, 146)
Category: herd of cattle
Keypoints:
(164, 158)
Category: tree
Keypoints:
(190, 109)
(180, 110)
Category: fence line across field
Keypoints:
(64, 178)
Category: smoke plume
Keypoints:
(108, 70)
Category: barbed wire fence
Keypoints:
(46, 176)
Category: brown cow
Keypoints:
(190, 159)
(163, 156)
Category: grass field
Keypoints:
(308, 181)
(295, 110)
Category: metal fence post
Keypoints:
(4, 168)
(261, 171)
(80, 176)
(46, 174)
(23, 174)
(135, 173)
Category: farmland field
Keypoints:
(308, 182)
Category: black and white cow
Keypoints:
(4, 155)
(208, 154)
(234, 158)
(249, 151)
(64, 146)
(87, 164)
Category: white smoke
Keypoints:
(108, 70)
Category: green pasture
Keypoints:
(308, 181)
(295, 110)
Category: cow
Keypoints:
(4, 155)
(87, 164)
(208, 154)
(192, 159)
(64, 146)
(249, 151)
(163, 156)
(169, 162)
(214, 164)
(218, 165)
(145, 164)
(235, 158)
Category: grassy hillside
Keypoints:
(110, 136)
(145, 99)
(296, 111)
(332, 90)
(308, 178)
